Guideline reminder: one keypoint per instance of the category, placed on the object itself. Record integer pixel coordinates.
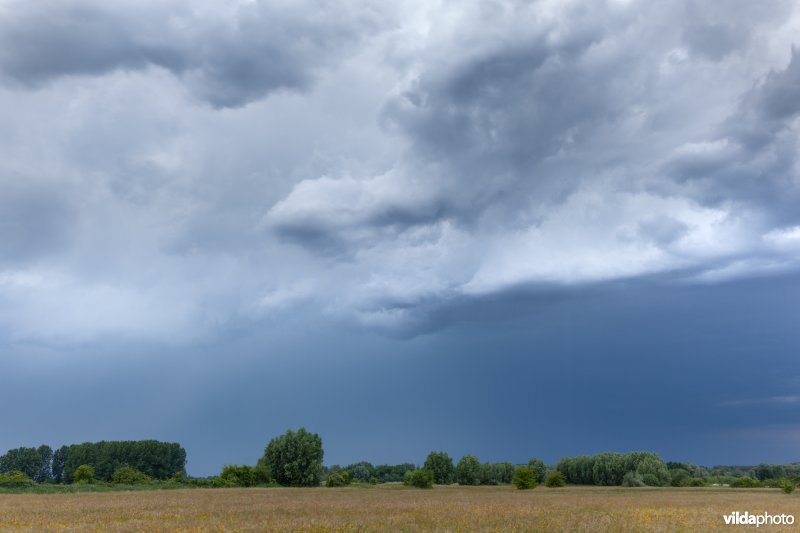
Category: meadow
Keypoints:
(396, 508)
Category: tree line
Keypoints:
(296, 459)
(155, 459)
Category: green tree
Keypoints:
(159, 460)
(468, 471)
(83, 474)
(59, 462)
(609, 468)
(524, 478)
(361, 471)
(554, 479)
(335, 479)
(787, 485)
(745, 482)
(295, 458)
(15, 479)
(442, 467)
(422, 478)
(262, 473)
(238, 476)
(538, 468)
(653, 471)
(127, 475)
(33, 462)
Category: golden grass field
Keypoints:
(393, 508)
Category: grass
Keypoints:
(394, 508)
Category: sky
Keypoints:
(509, 228)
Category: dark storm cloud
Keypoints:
(228, 55)
(600, 121)
(443, 155)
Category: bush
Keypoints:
(295, 458)
(468, 471)
(83, 474)
(335, 479)
(632, 479)
(238, 476)
(442, 467)
(539, 469)
(696, 482)
(15, 479)
(524, 478)
(373, 480)
(787, 485)
(422, 478)
(554, 479)
(127, 475)
(746, 483)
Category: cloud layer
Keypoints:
(172, 169)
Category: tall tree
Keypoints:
(45, 472)
(295, 458)
(26, 460)
(59, 462)
(442, 467)
(468, 471)
(538, 468)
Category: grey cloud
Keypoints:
(483, 128)
(34, 221)
(228, 56)
(593, 122)
(714, 41)
(753, 157)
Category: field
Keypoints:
(395, 508)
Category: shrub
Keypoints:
(238, 476)
(83, 474)
(373, 480)
(346, 477)
(468, 471)
(442, 467)
(15, 479)
(632, 479)
(335, 479)
(745, 483)
(787, 485)
(539, 469)
(295, 458)
(422, 478)
(220, 482)
(697, 482)
(127, 475)
(524, 478)
(554, 479)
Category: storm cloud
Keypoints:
(213, 183)
(227, 54)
